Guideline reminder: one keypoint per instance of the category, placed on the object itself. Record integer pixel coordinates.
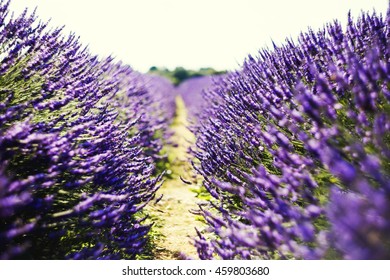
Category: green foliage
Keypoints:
(180, 74)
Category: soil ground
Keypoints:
(174, 225)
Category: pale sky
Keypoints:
(190, 33)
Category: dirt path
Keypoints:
(174, 224)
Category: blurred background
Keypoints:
(216, 34)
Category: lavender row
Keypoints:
(191, 92)
(294, 149)
(79, 138)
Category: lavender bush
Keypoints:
(79, 138)
(294, 148)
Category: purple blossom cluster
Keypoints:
(294, 149)
(79, 138)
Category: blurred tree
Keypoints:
(180, 74)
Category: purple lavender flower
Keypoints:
(79, 141)
(294, 151)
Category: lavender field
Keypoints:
(286, 158)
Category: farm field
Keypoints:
(285, 158)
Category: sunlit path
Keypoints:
(174, 224)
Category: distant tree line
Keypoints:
(180, 74)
